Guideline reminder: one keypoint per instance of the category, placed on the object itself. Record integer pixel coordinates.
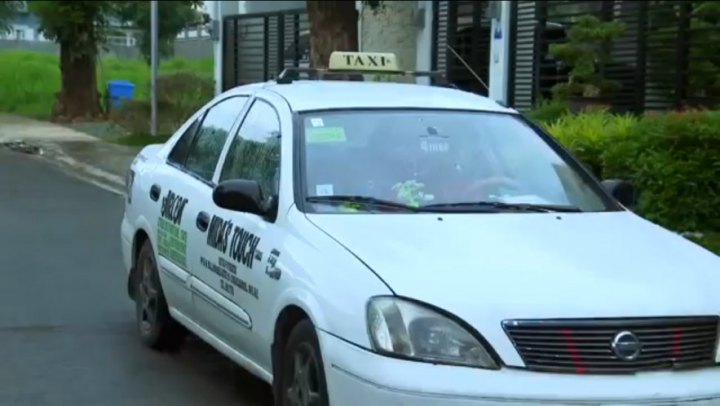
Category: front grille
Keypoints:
(587, 346)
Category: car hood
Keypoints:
(486, 268)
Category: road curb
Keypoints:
(97, 176)
(53, 153)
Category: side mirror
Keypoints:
(623, 191)
(239, 195)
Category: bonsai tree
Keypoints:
(585, 52)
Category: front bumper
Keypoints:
(356, 376)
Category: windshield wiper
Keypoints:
(485, 205)
(482, 206)
(363, 200)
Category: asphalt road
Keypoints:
(67, 331)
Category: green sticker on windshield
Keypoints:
(316, 135)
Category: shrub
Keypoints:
(710, 241)
(676, 165)
(671, 158)
(183, 94)
(134, 116)
(587, 48)
(587, 135)
(179, 96)
(548, 111)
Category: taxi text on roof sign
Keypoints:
(363, 61)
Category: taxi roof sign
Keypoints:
(363, 61)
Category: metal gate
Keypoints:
(667, 58)
(463, 25)
(257, 47)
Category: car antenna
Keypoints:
(467, 66)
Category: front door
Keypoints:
(213, 311)
(243, 246)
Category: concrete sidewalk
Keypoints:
(98, 161)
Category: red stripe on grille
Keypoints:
(573, 352)
(677, 341)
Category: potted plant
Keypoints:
(585, 52)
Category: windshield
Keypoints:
(435, 159)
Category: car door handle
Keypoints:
(155, 192)
(203, 220)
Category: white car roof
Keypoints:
(304, 95)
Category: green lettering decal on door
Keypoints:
(172, 242)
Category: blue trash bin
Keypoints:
(119, 90)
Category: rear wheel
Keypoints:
(158, 330)
(303, 374)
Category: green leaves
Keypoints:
(173, 17)
(8, 9)
(83, 25)
(586, 50)
(79, 25)
(672, 158)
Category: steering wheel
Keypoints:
(481, 189)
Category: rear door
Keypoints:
(211, 310)
(172, 199)
(181, 189)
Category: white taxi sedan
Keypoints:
(399, 244)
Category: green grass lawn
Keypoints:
(29, 80)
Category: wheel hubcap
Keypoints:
(304, 389)
(147, 297)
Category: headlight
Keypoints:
(406, 329)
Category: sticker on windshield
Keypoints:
(324, 190)
(317, 122)
(434, 146)
(316, 135)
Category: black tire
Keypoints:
(157, 329)
(302, 372)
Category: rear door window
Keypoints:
(202, 158)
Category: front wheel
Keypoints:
(303, 375)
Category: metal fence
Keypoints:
(464, 26)
(257, 47)
(667, 58)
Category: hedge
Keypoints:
(673, 159)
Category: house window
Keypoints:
(20, 34)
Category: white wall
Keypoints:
(403, 28)
(391, 29)
(20, 33)
(260, 6)
(424, 39)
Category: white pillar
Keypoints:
(500, 52)
(217, 46)
(154, 62)
(424, 22)
(359, 5)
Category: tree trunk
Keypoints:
(333, 27)
(78, 98)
